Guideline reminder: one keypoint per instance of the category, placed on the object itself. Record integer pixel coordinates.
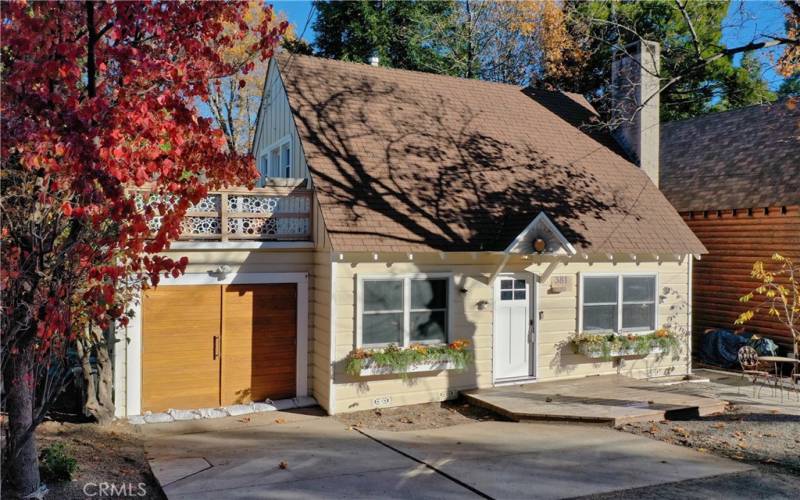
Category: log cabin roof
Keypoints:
(744, 158)
(412, 162)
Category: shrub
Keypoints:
(56, 463)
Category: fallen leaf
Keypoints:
(280, 420)
(718, 426)
(702, 450)
(283, 465)
(244, 420)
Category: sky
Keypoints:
(746, 20)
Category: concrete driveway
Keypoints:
(241, 457)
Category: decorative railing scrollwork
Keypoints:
(275, 213)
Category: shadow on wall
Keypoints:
(565, 361)
(460, 327)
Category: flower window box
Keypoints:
(608, 346)
(417, 358)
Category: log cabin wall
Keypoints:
(735, 239)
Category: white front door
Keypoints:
(513, 328)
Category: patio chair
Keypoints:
(748, 359)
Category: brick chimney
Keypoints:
(635, 103)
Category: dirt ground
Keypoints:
(113, 455)
(417, 417)
(748, 433)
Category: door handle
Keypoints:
(214, 347)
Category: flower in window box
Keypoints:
(661, 333)
(459, 344)
(359, 354)
(419, 348)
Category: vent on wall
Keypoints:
(382, 401)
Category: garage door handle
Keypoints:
(214, 347)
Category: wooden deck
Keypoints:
(609, 399)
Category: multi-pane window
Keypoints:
(513, 289)
(619, 303)
(277, 162)
(382, 316)
(404, 311)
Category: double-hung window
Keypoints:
(403, 310)
(277, 161)
(618, 303)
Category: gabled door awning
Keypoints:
(540, 237)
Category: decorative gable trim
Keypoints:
(541, 228)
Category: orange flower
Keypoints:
(359, 354)
(459, 344)
(662, 332)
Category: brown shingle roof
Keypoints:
(745, 158)
(411, 162)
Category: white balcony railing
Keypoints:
(274, 213)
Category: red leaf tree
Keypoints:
(98, 97)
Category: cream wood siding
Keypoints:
(320, 339)
(560, 316)
(470, 274)
(276, 122)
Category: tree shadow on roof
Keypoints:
(403, 168)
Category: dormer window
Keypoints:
(277, 159)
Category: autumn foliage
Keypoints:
(98, 98)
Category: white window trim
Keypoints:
(405, 278)
(267, 152)
(619, 303)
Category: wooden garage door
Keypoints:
(254, 358)
(180, 324)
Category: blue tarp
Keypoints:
(721, 347)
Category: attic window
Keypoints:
(277, 159)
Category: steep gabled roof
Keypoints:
(745, 158)
(408, 161)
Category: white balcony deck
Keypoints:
(273, 213)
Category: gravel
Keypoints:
(749, 433)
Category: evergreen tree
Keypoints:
(790, 87)
(406, 35)
(701, 88)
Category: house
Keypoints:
(399, 207)
(735, 179)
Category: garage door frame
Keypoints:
(133, 349)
